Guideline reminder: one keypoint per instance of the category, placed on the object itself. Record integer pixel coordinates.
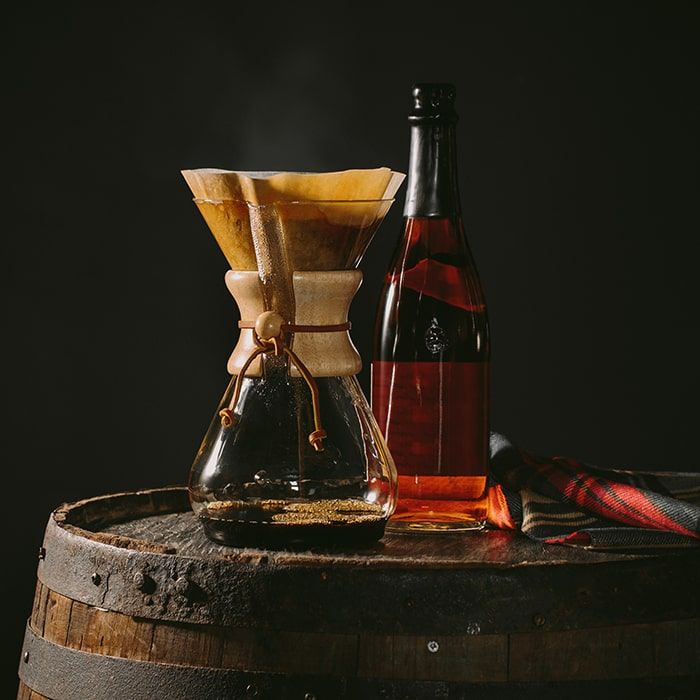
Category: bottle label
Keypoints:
(434, 415)
(445, 283)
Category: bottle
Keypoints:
(430, 369)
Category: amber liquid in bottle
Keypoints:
(430, 372)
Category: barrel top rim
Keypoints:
(111, 519)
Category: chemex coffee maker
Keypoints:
(293, 453)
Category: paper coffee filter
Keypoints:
(271, 187)
(323, 221)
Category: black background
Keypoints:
(578, 157)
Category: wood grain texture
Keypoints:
(628, 651)
(39, 612)
(677, 647)
(470, 658)
(58, 615)
(25, 693)
(607, 652)
(161, 520)
(182, 534)
(187, 644)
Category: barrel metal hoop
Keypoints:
(59, 672)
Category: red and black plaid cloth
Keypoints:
(561, 501)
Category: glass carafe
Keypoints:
(293, 453)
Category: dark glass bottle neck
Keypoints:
(433, 189)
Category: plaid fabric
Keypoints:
(561, 501)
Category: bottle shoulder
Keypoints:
(432, 305)
(433, 258)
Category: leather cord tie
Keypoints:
(268, 335)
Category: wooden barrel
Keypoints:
(134, 602)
